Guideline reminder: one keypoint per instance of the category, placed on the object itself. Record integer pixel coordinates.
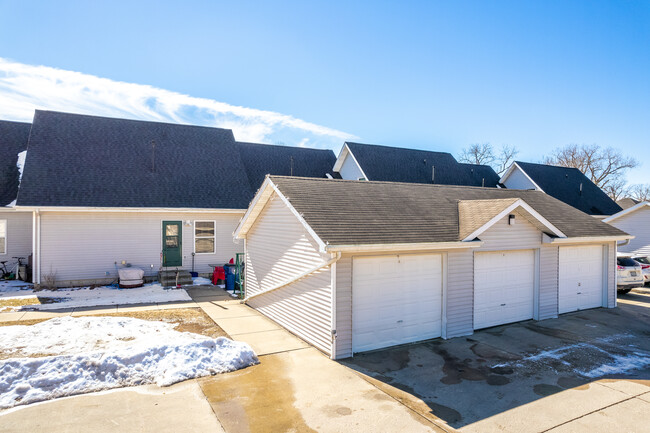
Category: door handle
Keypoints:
(400, 321)
(503, 305)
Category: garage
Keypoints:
(396, 299)
(580, 278)
(504, 287)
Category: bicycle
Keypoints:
(12, 272)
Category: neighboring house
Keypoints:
(627, 202)
(358, 161)
(15, 226)
(104, 191)
(569, 185)
(356, 266)
(634, 220)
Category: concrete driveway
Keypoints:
(586, 371)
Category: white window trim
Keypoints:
(214, 236)
(4, 222)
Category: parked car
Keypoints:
(645, 267)
(629, 274)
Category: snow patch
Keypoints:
(92, 297)
(200, 281)
(21, 164)
(89, 354)
(621, 365)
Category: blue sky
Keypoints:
(434, 75)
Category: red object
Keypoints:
(232, 261)
(218, 274)
(619, 267)
(645, 266)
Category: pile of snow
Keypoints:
(8, 287)
(98, 296)
(200, 281)
(89, 354)
(621, 364)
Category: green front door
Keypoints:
(172, 240)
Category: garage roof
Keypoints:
(344, 212)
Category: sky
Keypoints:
(436, 75)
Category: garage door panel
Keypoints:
(580, 278)
(504, 283)
(396, 300)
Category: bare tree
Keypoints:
(640, 192)
(483, 154)
(605, 167)
(478, 153)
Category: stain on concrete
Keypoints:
(544, 389)
(390, 360)
(256, 399)
(486, 351)
(337, 411)
(451, 416)
(497, 380)
(561, 334)
(568, 382)
(502, 369)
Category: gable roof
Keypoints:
(345, 212)
(627, 211)
(262, 159)
(564, 183)
(627, 202)
(13, 140)
(88, 161)
(396, 164)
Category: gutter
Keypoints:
(124, 209)
(587, 239)
(294, 279)
(355, 248)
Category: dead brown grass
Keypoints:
(184, 320)
(9, 303)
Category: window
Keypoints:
(204, 237)
(3, 236)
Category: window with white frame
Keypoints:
(3, 236)
(204, 237)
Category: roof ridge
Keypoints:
(399, 148)
(398, 183)
(284, 146)
(122, 119)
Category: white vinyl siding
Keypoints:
(349, 169)
(3, 237)
(548, 282)
(637, 224)
(377, 319)
(460, 293)
(611, 274)
(84, 246)
(518, 180)
(17, 234)
(279, 248)
(518, 236)
(205, 237)
(344, 307)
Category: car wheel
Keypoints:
(624, 291)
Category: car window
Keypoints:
(643, 260)
(626, 261)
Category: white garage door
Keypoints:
(504, 287)
(580, 278)
(395, 300)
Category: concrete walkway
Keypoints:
(295, 387)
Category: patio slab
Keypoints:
(247, 325)
(11, 316)
(270, 342)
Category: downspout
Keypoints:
(38, 247)
(335, 257)
(34, 254)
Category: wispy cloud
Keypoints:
(24, 88)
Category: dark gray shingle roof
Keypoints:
(346, 212)
(563, 183)
(79, 160)
(13, 140)
(627, 202)
(262, 159)
(395, 164)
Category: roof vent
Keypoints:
(153, 156)
(291, 163)
(580, 188)
(433, 174)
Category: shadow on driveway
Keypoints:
(467, 379)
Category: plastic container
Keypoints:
(230, 281)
